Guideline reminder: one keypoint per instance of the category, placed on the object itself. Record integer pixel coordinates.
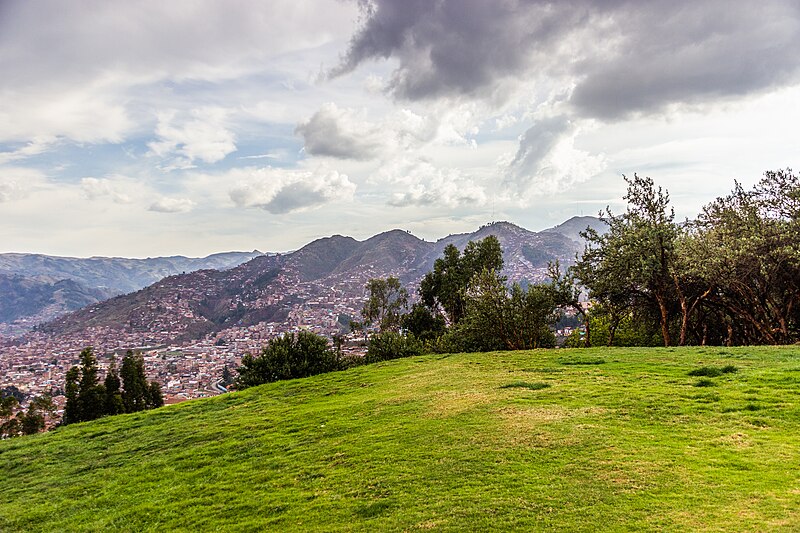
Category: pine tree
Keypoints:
(134, 383)
(91, 394)
(71, 389)
(113, 396)
(154, 396)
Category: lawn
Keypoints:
(568, 440)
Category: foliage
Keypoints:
(499, 318)
(385, 304)
(87, 399)
(424, 324)
(392, 345)
(16, 422)
(633, 263)
(445, 288)
(287, 357)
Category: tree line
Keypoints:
(731, 276)
(122, 391)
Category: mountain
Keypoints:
(27, 301)
(312, 287)
(574, 226)
(36, 288)
(116, 275)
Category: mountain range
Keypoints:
(35, 288)
(321, 284)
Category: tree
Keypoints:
(423, 324)
(287, 357)
(391, 345)
(113, 397)
(746, 247)
(91, 394)
(71, 389)
(154, 397)
(634, 262)
(445, 287)
(134, 383)
(567, 294)
(33, 421)
(501, 319)
(386, 304)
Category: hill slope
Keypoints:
(323, 279)
(559, 440)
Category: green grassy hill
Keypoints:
(621, 439)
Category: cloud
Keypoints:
(17, 183)
(547, 161)
(172, 205)
(87, 71)
(100, 188)
(280, 191)
(202, 137)
(340, 133)
(622, 57)
(424, 184)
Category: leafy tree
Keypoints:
(71, 389)
(746, 247)
(634, 263)
(501, 319)
(446, 286)
(386, 304)
(33, 421)
(287, 357)
(423, 324)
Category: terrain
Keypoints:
(701, 439)
(36, 288)
(317, 285)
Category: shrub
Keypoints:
(288, 357)
(392, 345)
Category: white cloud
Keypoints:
(102, 188)
(202, 137)
(423, 184)
(17, 183)
(172, 205)
(282, 191)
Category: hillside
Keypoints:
(312, 286)
(559, 440)
(37, 288)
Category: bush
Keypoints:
(288, 357)
(392, 345)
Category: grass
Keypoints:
(439, 443)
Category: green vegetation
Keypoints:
(436, 442)
(123, 392)
(731, 276)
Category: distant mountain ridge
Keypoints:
(35, 288)
(313, 285)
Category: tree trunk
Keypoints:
(662, 307)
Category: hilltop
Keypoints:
(321, 285)
(566, 440)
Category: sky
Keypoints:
(154, 128)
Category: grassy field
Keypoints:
(568, 440)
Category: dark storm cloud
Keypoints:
(622, 56)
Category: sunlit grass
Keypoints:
(612, 439)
